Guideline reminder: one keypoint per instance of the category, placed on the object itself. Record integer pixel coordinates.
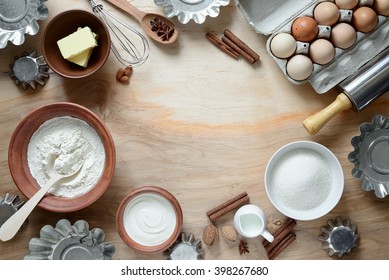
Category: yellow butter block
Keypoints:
(83, 58)
(77, 43)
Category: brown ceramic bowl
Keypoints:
(18, 164)
(64, 24)
(125, 226)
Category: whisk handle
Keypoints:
(129, 8)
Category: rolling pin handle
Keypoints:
(315, 122)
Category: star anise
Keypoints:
(243, 248)
(156, 24)
(166, 33)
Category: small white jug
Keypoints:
(250, 222)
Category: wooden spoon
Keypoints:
(13, 224)
(145, 20)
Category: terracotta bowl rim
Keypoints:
(50, 202)
(133, 244)
(65, 13)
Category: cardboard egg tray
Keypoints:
(277, 16)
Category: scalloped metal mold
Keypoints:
(9, 204)
(187, 10)
(339, 237)
(70, 242)
(29, 70)
(185, 248)
(19, 17)
(371, 156)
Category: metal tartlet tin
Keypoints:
(371, 156)
(339, 237)
(29, 70)
(186, 10)
(185, 248)
(9, 204)
(19, 17)
(70, 242)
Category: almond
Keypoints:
(119, 73)
(128, 71)
(228, 232)
(124, 80)
(210, 234)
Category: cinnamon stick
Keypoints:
(227, 206)
(221, 45)
(241, 44)
(281, 230)
(236, 48)
(281, 246)
(280, 236)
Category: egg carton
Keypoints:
(273, 17)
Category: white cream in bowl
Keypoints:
(149, 219)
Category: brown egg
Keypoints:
(364, 19)
(382, 7)
(346, 4)
(305, 29)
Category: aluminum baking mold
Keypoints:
(185, 248)
(19, 17)
(29, 70)
(339, 237)
(70, 242)
(371, 156)
(9, 204)
(186, 10)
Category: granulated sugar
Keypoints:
(301, 179)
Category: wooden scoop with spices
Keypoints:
(156, 26)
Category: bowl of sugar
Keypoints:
(304, 180)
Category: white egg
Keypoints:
(321, 51)
(343, 35)
(283, 45)
(299, 67)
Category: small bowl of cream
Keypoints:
(149, 219)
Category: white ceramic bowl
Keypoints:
(326, 204)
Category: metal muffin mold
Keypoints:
(70, 242)
(371, 156)
(339, 237)
(19, 17)
(9, 204)
(186, 10)
(29, 70)
(185, 248)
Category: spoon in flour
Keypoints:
(13, 224)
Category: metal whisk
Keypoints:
(135, 47)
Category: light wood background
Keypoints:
(203, 126)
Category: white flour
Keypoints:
(301, 179)
(61, 145)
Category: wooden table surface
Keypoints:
(201, 125)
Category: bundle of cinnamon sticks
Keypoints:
(283, 237)
(228, 206)
(233, 46)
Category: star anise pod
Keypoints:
(156, 24)
(243, 248)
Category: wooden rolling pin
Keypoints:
(368, 83)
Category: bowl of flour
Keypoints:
(62, 138)
(304, 180)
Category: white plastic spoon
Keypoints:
(13, 224)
